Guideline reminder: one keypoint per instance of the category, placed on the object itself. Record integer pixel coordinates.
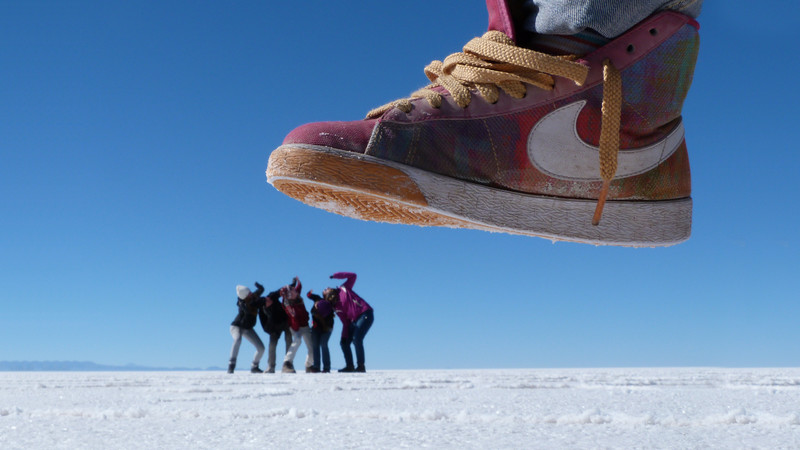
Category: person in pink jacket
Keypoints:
(356, 316)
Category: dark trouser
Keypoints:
(358, 329)
(273, 344)
(319, 340)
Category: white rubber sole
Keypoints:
(368, 188)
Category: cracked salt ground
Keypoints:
(577, 408)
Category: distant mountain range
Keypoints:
(83, 366)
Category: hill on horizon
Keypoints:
(83, 366)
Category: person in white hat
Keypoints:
(242, 326)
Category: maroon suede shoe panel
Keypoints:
(351, 136)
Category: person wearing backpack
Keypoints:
(321, 330)
(242, 326)
(275, 322)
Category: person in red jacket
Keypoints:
(298, 322)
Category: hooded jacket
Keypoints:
(248, 308)
(350, 305)
(272, 315)
(295, 309)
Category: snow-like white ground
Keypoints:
(580, 408)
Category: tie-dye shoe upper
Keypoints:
(496, 144)
(512, 140)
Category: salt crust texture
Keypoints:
(550, 408)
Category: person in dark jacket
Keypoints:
(242, 326)
(275, 322)
(321, 329)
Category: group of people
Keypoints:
(283, 312)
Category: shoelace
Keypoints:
(493, 62)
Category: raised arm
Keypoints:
(259, 289)
(297, 286)
(349, 277)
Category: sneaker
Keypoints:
(288, 368)
(271, 369)
(312, 369)
(361, 369)
(347, 369)
(231, 366)
(255, 369)
(508, 139)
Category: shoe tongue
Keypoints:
(578, 44)
(500, 18)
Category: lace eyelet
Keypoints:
(653, 31)
(631, 48)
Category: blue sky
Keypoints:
(134, 138)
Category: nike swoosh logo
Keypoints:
(555, 148)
